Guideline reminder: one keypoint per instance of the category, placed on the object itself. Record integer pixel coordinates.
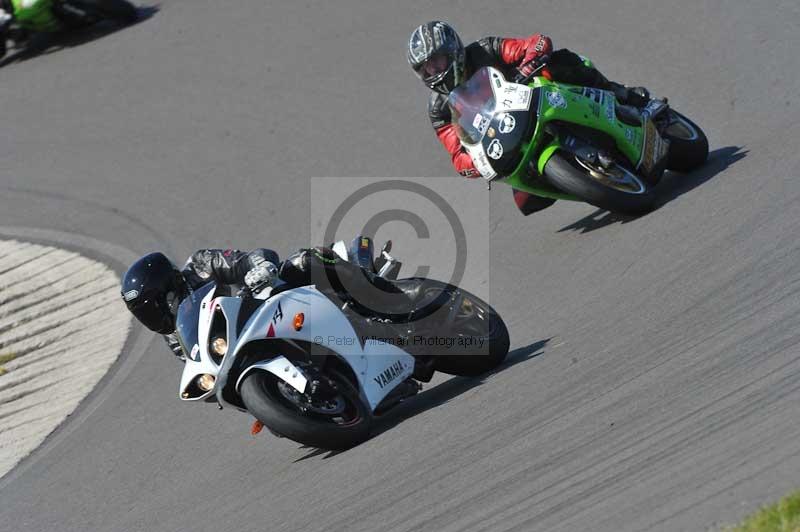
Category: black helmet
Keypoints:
(436, 54)
(152, 287)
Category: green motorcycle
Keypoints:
(54, 15)
(561, 141)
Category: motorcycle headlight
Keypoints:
(206, 382)
(219, 346)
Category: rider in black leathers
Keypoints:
(152, 287)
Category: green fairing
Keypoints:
(36, 15)
(581, 110)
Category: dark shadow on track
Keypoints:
(597, 220)
(672, 186)
(312, 452)
(48, 43)
(437, 396)
(454, 387)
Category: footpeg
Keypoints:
(654, 108)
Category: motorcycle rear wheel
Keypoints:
(616, 190)
(340, 423)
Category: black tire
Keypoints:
(563, 172)
(685, 154)
(263, 399)
(470, 363)
(120, 11)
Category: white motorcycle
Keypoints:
(318, 371)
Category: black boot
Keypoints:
(634, 96)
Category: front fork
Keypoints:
(533, 182)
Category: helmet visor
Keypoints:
(152, 315)
(434, 69)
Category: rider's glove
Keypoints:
(175, 345)
(538, 48)
(261, 275)
(529, 66)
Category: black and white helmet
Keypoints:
(436, 54)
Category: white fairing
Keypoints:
(340, 249)
(280, 367)
(508, 95)
(199, 360)
(191, 371)
(378, 366)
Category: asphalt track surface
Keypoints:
(654, 383)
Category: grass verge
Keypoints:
(8, 357)
(782, 516)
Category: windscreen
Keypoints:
(472, 106)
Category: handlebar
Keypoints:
(524, 80)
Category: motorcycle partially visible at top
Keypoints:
(49, 16)
(567, 142)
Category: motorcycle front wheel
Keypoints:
(615, 189)
(338, 422)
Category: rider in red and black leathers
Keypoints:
(431, 42)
